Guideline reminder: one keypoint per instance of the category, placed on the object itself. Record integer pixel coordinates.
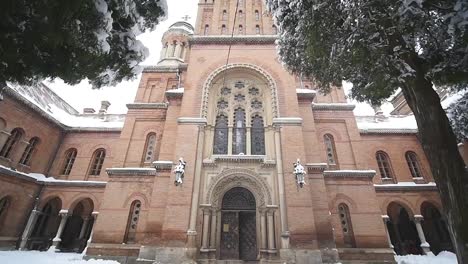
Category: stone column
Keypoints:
(230, 133)
(263, 229)
(177, 50)
(84, 227)
(271, 232)
(57, 239)
(94, 215)
(282, 194)
(386, 219)
(206, 226)
(248, 141)
(213, 229)
(424, 245)
(4, 135)
(28, 228)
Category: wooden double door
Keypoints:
(238, 235)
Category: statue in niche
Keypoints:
(179, 172)
(300, 173)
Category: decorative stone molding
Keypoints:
(175, 93)
(400, 187)
(131, 171)
(316, 167)
(174, 69)
(163, 164)
(95, 129)
(269, 80)
(147, 106)
(237, 39)
(192, 120)
(388, 131)
(332, 107)
(291, 121)
(349, 174)
(215, 159)
(306, 94)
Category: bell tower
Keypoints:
(241, 17)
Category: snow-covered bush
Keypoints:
(458, 116)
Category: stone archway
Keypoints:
(402, 230)
(435, 228)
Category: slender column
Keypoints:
(230, 133)
(282, 195)
(4, 135)
(386, 219)
(271, 231)
(29, 228)
(424, 245)
(94, 215)
(184, 52)
(206, 226)
(213, 229)
(191, 232)
(57, 239)
(263, 229)
(248, 141)
(84, 227)
(177, 50)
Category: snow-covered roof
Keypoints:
(387, 124)
(48, 104)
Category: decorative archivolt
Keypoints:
(269, 80)
(238, 177)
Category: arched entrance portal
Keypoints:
(238, 225)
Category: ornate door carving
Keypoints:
(229, 235)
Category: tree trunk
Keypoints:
(448, 168)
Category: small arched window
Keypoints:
(150, 148)
(346, 226)
(223, 30)
(70, 157)
(241, 29)
(221, 134)
(207, 29)
(257, 29)
(173, 50)
(224, 17)
(385, 167)
(15, 136)
(97, 162)
(257, 136)
(241, 14)
(29, 151)
(239, 132)
(257, 15)
(330, 150)
(413, 164)
(274, 30)
(132, 222)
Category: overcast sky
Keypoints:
(81, 95)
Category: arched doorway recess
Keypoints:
(402, 230)
(238, 224)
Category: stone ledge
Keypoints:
(131, 172)
(388, 131)
(405, 186)
(163, 164)
(147, 106)
(332, 107)
(349, 174)
(293, 121)
(192, 120)
(237, 39)
(316, 167)
(174, 69)
(306, 94)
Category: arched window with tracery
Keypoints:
(257, 136)
(29, 151)
(132, 222)
(239, 132)
(346, 226)
(383, 162)
(330, 150)
(70, 156)
(97, 161)
(150, 148)
(15, 136)
(221, 135)
(413, 164)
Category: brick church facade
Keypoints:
(105, 183)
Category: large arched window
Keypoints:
(238, 135)
(150, 148)
(346, 226)
(257, 136)
(70, 157)
(330, 150)
(14, 138)
(132, 222)
(413, 164)
(29, 151)
(221, 133)
(97, 162)
(385, 167)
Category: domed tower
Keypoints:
(175, 44)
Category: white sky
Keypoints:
(81, 95)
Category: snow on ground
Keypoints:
(444, 257)
(45, 257)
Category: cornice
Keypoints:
(398, 187)
(332, 107)
(366, 174)
(316, 167)
(131, 172)
(192, 120)
(239, 39)
(388, 131)
(293, 121)
(147, 106)
(171, 68)
(163, 164)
